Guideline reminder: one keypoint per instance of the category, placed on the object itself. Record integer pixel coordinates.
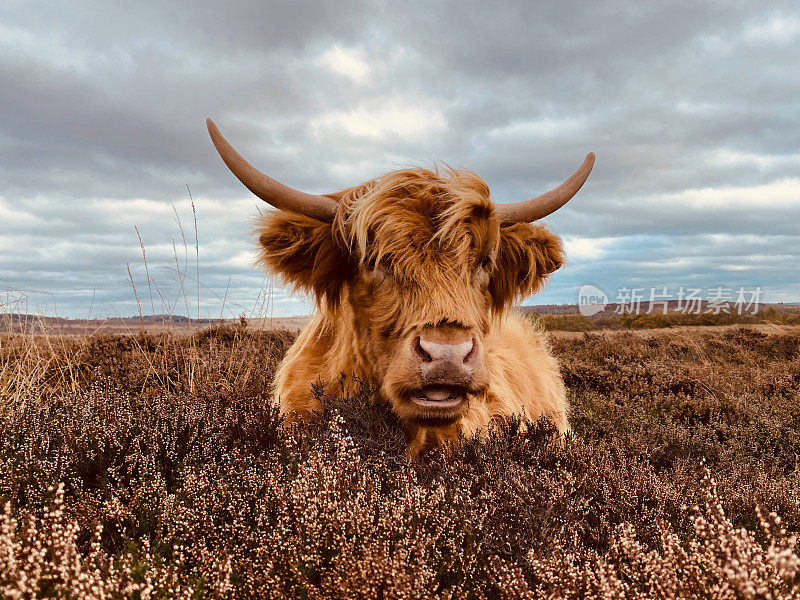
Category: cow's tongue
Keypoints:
(439, 396)
(437, 393)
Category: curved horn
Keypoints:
(274, 192)
(549, 202)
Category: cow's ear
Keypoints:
(304, 252)
(526, 255)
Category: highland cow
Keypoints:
(415, 274)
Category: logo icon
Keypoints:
(591, 300)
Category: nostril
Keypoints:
(421, 352)
(471, 352)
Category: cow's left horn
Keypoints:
(274, 192)
(549, 202)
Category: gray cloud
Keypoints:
(692, 108)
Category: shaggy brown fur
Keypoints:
(416, 249)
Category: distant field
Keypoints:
(35, 324)
(568, 318)
(153, 465)
(552, 317)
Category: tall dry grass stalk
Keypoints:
(33, 356)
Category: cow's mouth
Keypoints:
(439, 396)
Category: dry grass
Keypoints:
(225, 357)
(154, 466)
(768, 315)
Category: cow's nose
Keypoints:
(431, 351)
(449, 357)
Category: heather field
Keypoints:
(153, 466)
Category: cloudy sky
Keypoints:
(693, 109)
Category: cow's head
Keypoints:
(417, 263)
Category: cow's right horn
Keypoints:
(273, 192)
(537, 208)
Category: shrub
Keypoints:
(133, 483)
